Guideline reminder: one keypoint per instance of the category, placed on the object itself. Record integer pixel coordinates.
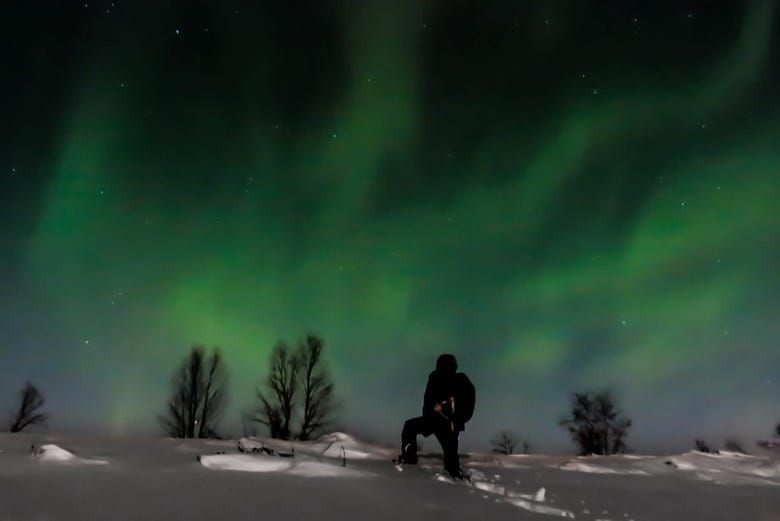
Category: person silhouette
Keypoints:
(448, 404)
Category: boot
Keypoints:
(456, 473)
(409, 454)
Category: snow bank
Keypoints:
(245, 463)
(726, 468)
(263, 463)
(51, 453)
(578, 466)
(339, 444)
(336, 445)
(315, 469)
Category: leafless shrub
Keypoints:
(734, 445)
(595, 424)
(703, 446)
(504, 443)
(28, 413)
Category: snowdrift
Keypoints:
(51, 453)
(726, 468)
(337, 445)
(292, 466)
(350, 478)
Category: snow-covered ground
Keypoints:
(48, 477)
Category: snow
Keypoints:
(315, 469)
(597, 469)
(337, 445)
(490, 487)
(72, 478)
(50, 453)
(264, 463)
(541, 509)
(245, 463)
(727, 468)
(53, 453)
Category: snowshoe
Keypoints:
(406, 459)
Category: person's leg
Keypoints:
(449, 446)
(412, 428)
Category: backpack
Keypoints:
(465, 397)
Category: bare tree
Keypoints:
(316, 387)
(734, 445)
(277, 405)
(703, 446)
(596, 425)
(30, 402)
(199, 394)
(214, 396)
(504, 443)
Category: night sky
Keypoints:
(564, 194)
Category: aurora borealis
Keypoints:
(565, 195)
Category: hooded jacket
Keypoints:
(443, 385)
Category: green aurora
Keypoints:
(405, 182)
